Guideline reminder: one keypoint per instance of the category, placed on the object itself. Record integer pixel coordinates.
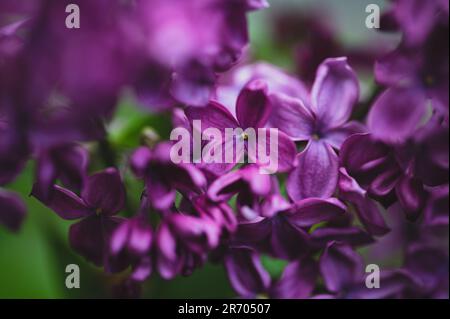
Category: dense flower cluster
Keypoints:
(345, 181)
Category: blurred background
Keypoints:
(292, 34)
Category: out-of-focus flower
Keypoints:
(102, 197)
(12, 210)
(343, 273)
(182, 243)
(66, 162)
(196, 39)
(131, 243)
(163, 177)
(418, 18)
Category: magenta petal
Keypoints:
(316, 174)
(65, 203)
(291, 116)
(246, 273)
(167, 261)
(90, 237)
(335, 92)
(248, 178)
(104, 191)
(311, 211)
(12, 210)
(298, 280)
(340, 266)
(253, 106)
(140, 160)
(396, 114)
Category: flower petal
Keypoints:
(396, 114)
(340, 266)
(334, 93)
(64, 203)
(90, 237)
(336, 137)
(316, 174)
(246, 273)
(12, 210)
(105, 191)
(311, 211)
(366, 208)
(298, 280)
(253, 105)
(291, 116)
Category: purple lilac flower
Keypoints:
(102, 197)
(323, 122)
(253, 109)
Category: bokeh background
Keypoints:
(32, 262)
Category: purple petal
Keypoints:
(353, 236)
(104, 191)
(246, 273)
(437, 208)
(340, 266)
(278, 153)
(64, 203)
(248, 178)
(213, 115)
(291, 116)
(337, 136)
(12, 210)
(167, 261)
(396, 69)
(416, 19)
(72, 162)
(316, 174)
(366, 208)
(396, 114)
(139, 161)
(311, 211)
(334, 93)
(287, 240)
(298, 280)
(90, 237)
(253, 105)
(46, 174)
(412, 196)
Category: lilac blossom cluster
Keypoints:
(346, 182)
